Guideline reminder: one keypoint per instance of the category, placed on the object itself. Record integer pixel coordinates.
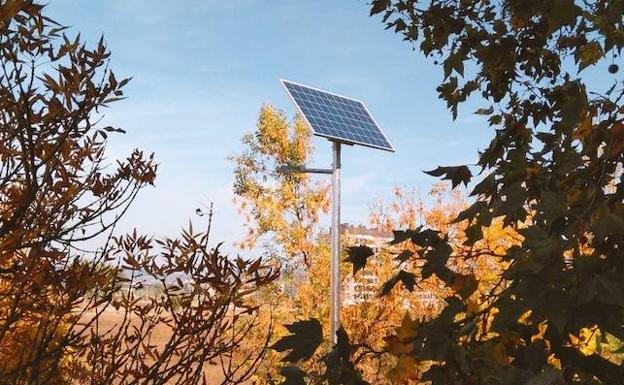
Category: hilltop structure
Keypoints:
(366, 285)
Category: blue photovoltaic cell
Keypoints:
(337, 117)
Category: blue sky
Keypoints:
(202, 69)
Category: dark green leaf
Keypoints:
(404, 255)
(389, 285)
(340, 370)
(426, 237)
(474, 233)
(485, 111)
(549, 376)
(401, 236)
(303, 341)
(562, 13)
(439, 254)
(605, 223)
(436, 262)
(453, 63)
(611, 289)
(589, 54)
(358, 256)
(406, 278)
(570, 101)
(457, 174)
(553, 204)
(471, 212)
(379, 6)
(464, 285)
(540, 242)
(292, 376)
(486, 187)
(495, 120)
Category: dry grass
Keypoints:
(111, 317)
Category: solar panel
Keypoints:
(337, 117)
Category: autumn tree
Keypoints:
(280, 209)
(286, 208)
(283, 206)
(58, 189)
(379, 330)
(369, 323)
(552, 172)
(304, 295)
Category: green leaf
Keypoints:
(437, 345)
(553, 204)
(358, 256)
(513, 207)
(399, 25)
(124, 82)
(485, 111)
(455, 63)
(401, 236)
(571, 103)
(439, 255)
(474, 233)
(292, 376)
(456, 174)
(379, 6)
(305, 338)
(611, 289)
(464, 285)
(471, 212)
(404, 255)
(448, 91)
(389, 285)
(436, 262)
(562, 13)
(587, 291)
(408, 279)
(340, 370)
(589, 54)
(425, 237)
(523, 265)
(419, 236)
(436, 375)
(486, 187)
(507, 320)
(549, 376)
(620, 349)
(495, 120)
(540, 242)
(605, 223)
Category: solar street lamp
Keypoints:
(303, 170)
(341, 120)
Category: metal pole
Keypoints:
(334, 273)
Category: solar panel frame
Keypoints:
(336, 118)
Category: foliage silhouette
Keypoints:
(306, 337)
(57, 190)
(552, 173)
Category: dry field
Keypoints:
(110, 317)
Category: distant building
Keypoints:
(365, 285)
